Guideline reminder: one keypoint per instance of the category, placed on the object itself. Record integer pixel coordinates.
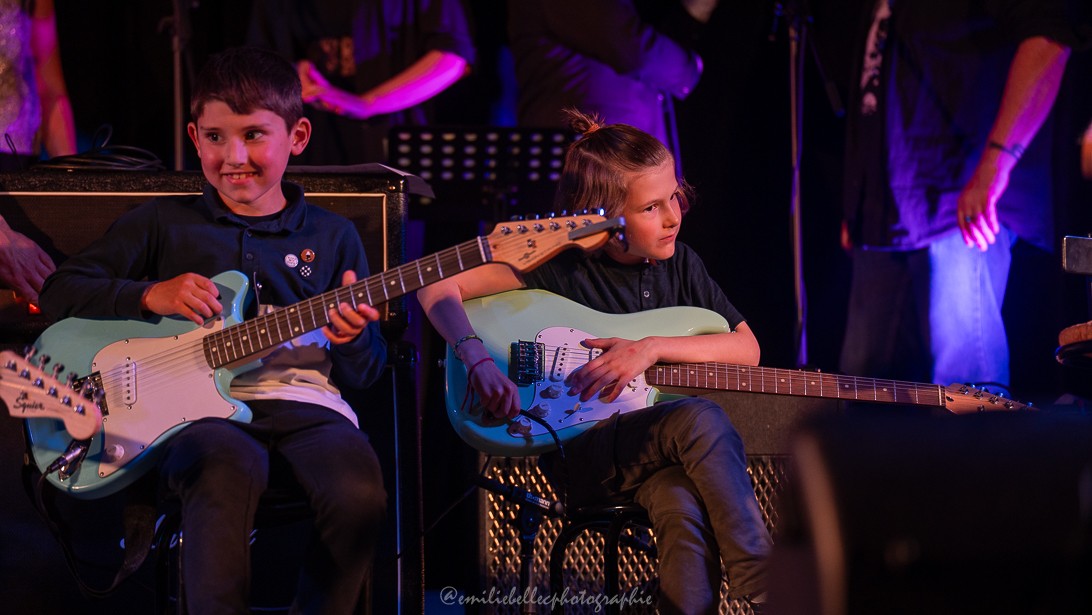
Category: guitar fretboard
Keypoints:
(264, 332)
(727, 377)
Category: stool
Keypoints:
(612, 522)
(279, 506)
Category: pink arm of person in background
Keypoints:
(1086, 153)
(433, 73)
(1034, 78)
(58, 127)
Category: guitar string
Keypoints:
(769, 379)
(455, 258)
(178, 360)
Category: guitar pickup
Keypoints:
(525, 365)
(126, 388)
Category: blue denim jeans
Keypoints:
(684, 462)
(218, 469)
(930, 315)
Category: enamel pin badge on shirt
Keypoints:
(307, 256)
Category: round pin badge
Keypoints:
(291, 260)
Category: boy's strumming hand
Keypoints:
(622, 360)
(189, 295)
(345, 322)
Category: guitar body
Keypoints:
(542, 317)
(155, 379)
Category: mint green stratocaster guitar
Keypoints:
(158, 376)
(536, 336)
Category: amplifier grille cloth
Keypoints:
(584, 558)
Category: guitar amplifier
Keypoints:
(766, 424)
(64, 211)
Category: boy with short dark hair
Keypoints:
(158, 260)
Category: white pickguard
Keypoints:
(553, 403)
(153, 386)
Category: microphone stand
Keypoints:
(179, 25)
(533, 509)
(798, 21)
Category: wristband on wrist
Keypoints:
(463, 339)
(1015, 150)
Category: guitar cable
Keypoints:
(104, 157)
(481, 478)
(64, 537)
(561, 455)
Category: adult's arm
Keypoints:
(612, 32)
(23, 263)
(58, 125)
(431, 74)
(1035, 76)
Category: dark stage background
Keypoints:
(736, 150)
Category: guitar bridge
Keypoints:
(525, 365)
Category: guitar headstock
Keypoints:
(30, 393)
(526, 244)
(966, 399)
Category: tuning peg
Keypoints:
(42, 360)
(29, 352)
(56, 370)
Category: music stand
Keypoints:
(490, 172)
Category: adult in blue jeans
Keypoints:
(943, 175)
(682, 460)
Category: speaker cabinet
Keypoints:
(765, 423)
(987, 513)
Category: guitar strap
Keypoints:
(138, 518)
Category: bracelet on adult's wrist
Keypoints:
(1015, 150)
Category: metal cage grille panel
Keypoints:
(584, 557)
